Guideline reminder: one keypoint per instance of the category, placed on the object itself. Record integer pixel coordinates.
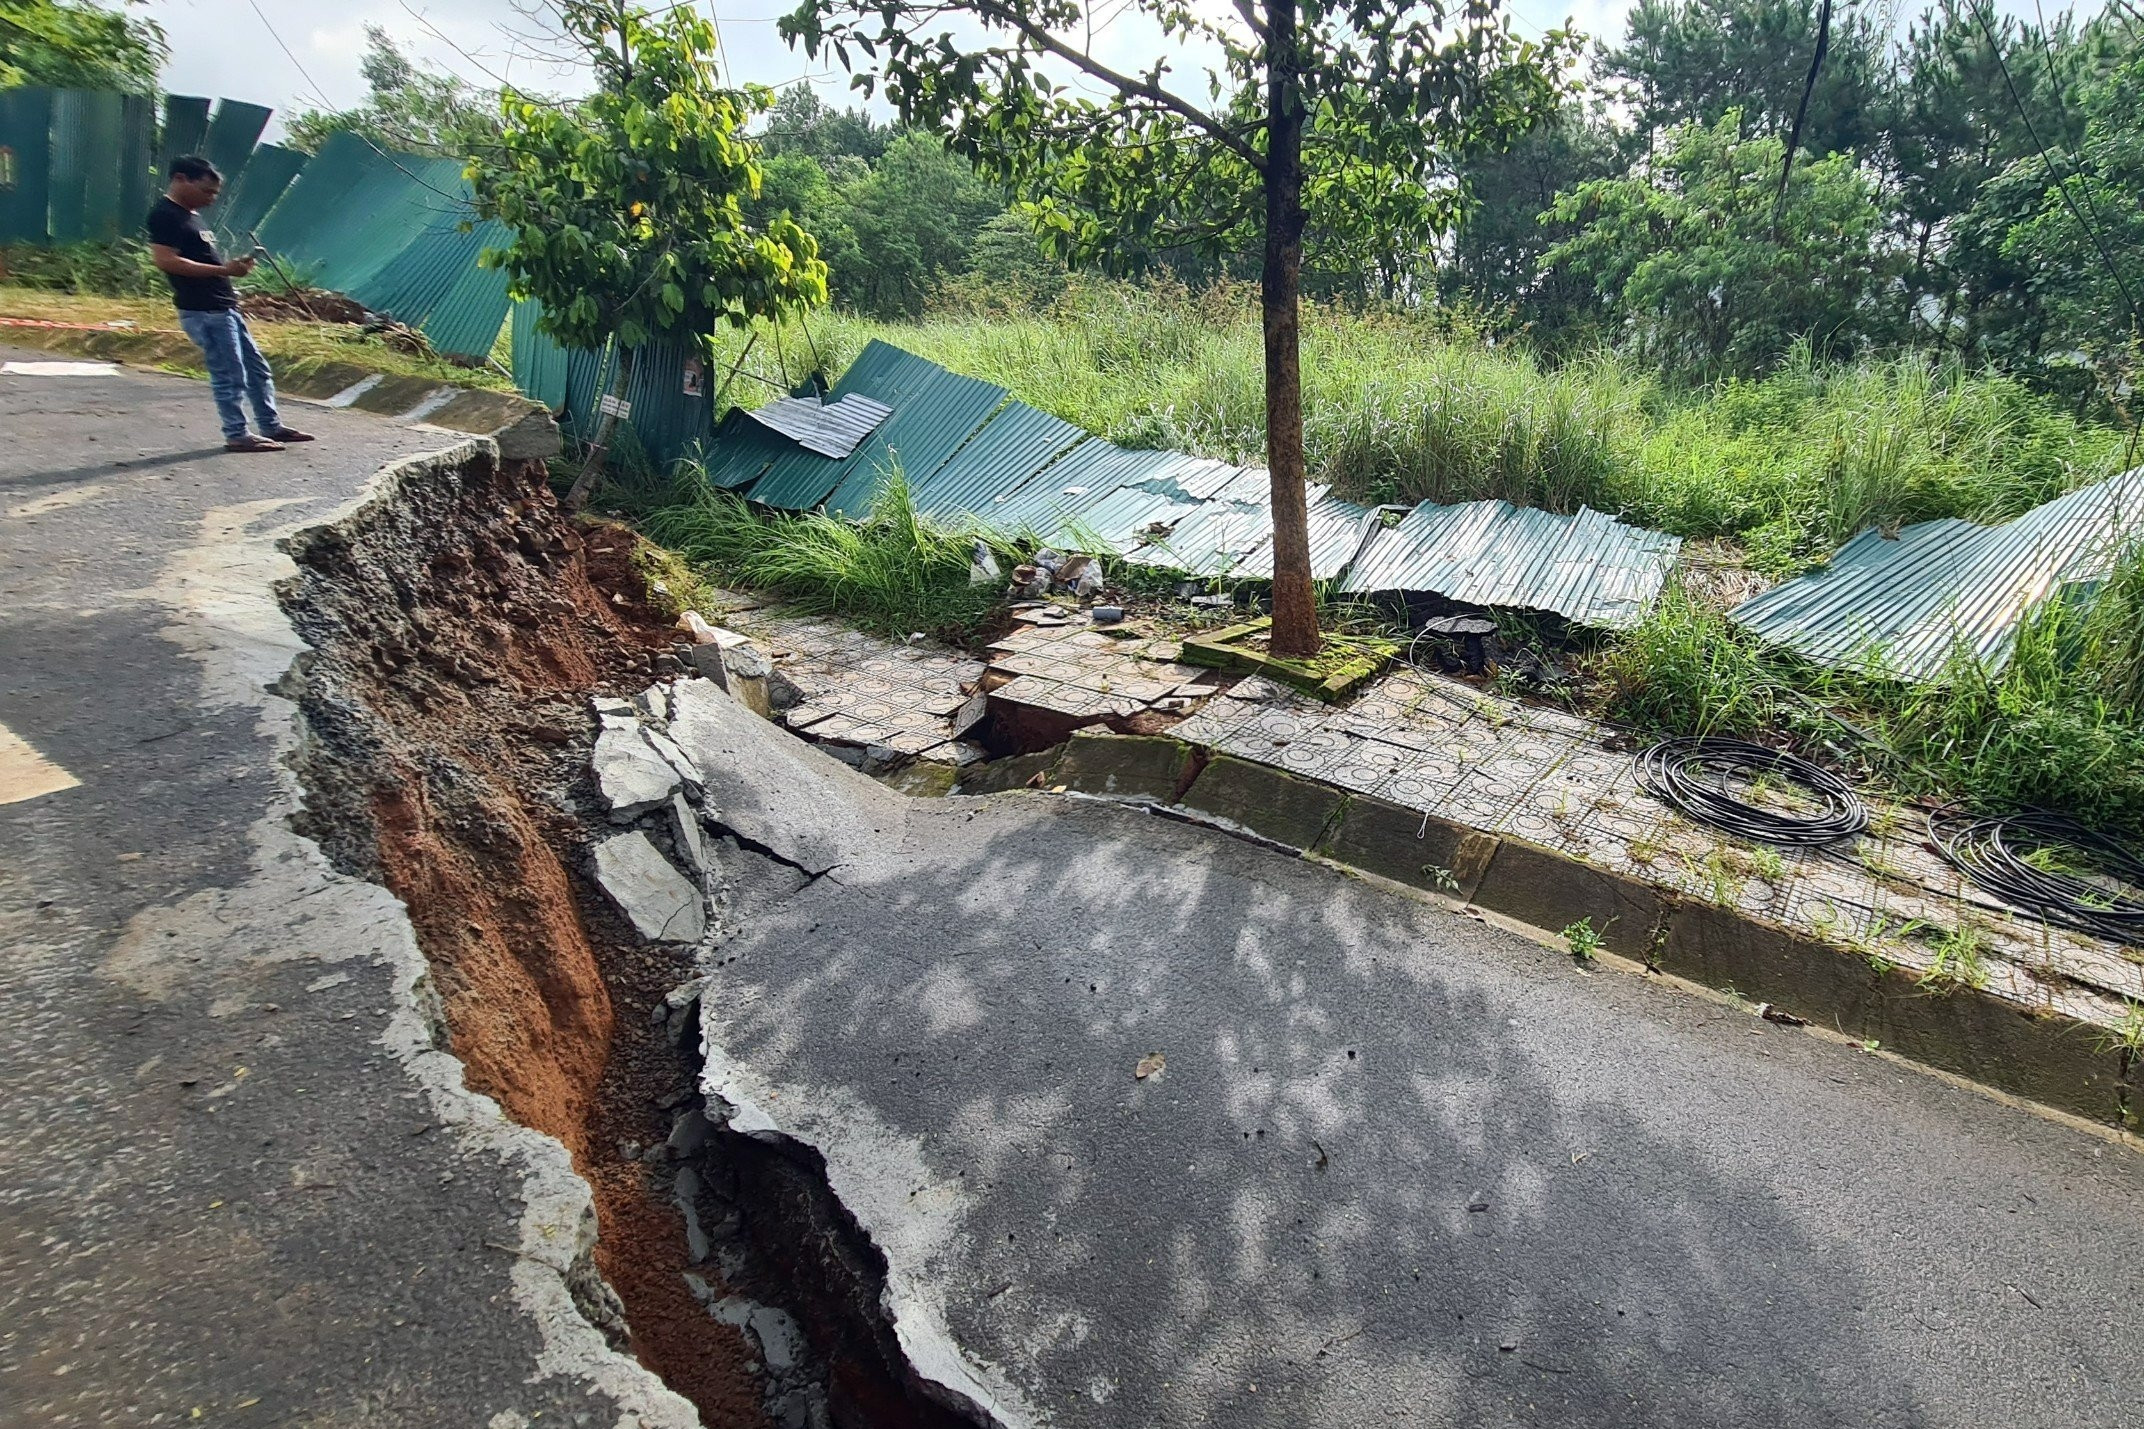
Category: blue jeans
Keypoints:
(236, 370)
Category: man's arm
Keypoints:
(167, 260)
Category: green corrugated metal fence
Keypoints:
(185, 126)
(246, 201)
(25, 187)
(399, 234)
(79, 164)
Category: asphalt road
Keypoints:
(233, 1186)
(1400, 1167)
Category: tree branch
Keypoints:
(1124, 84)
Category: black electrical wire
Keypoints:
(1692, 775)
(1997, 853)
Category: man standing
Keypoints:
(208, 307)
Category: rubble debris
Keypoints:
(631, 775)
(663, 905)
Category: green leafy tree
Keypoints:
(915, 217)
(812, 193)
(1006, 259)
(803, 123)
(1707, 276)
(80, 46)
(1346, 120)
(407, 108)
(2084, 239)
(628, 208)
(1974, 88)
(1692, 61)
(1497, 257)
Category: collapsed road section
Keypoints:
(457, 629)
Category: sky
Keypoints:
(237, 48)
(299, 54)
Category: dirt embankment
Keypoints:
(458, 624)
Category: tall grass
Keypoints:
(893, 572)
(2057, 722)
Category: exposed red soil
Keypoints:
(458, 632)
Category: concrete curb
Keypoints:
(2043, 1056)
(524, 430)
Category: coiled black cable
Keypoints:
(1997, 854)
(1692, 775)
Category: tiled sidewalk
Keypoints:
(1435, 744)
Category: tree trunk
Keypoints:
(592, 468)
(1295, 608)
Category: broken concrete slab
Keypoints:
(1017, 771)
(801, 807)
(666, 749)
(654, 701)
(691, 842)
(662, 903)
(631, 774)
(1350, 1075)
(741, 668)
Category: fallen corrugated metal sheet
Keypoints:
(246, 202)
(832, 429)
(1336, 530)
(1588, 568)
(934, 413)
(1023, 472)
(742, 450)
(1905, 605)
(1219, 535)
(942, 410)
(398, 233)
(1007, 453)
(1056, 497)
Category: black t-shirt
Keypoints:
(179, 229)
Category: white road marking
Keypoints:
(26, 774)
(60, 369)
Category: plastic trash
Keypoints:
(1108, 614)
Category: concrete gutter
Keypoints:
(524, 430)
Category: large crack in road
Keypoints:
(457, 627)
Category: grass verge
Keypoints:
(154, 340)
(2058, 723)
(893, 572)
